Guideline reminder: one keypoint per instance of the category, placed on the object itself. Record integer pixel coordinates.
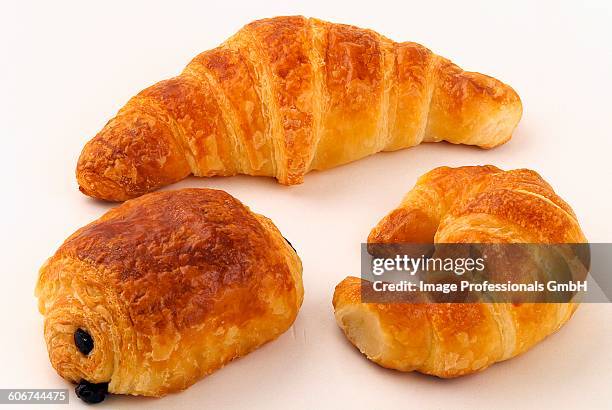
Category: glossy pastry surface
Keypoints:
(169, 287)
(461, 205)
(287, 95)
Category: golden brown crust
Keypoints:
(353, 79)
(136, 152)
(201, 134)
(414, 88)
(287, 95)
(283, 46)
(461, 205)
(232, 78)
(171, 286)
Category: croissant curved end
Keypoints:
(133, 154)
(362, 328)
(474, 109)
(498, 127)
(98, 186)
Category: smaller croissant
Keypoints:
(163, 290)
(461, 205)
(287, 95)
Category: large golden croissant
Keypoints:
(287, 95)
(461, 205)
(164, 290)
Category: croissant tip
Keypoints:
(98, 187)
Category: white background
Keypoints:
(66, 68)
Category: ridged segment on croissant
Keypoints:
(461, 205)
(171, 286)
(287, 95)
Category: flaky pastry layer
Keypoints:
(461, 205)
(287, 95)
(171, 286)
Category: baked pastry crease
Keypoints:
(165, 289)
(287, 95)
(461, 205)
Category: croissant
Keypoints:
(461, 205)
(164, 290)
(287, 95)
